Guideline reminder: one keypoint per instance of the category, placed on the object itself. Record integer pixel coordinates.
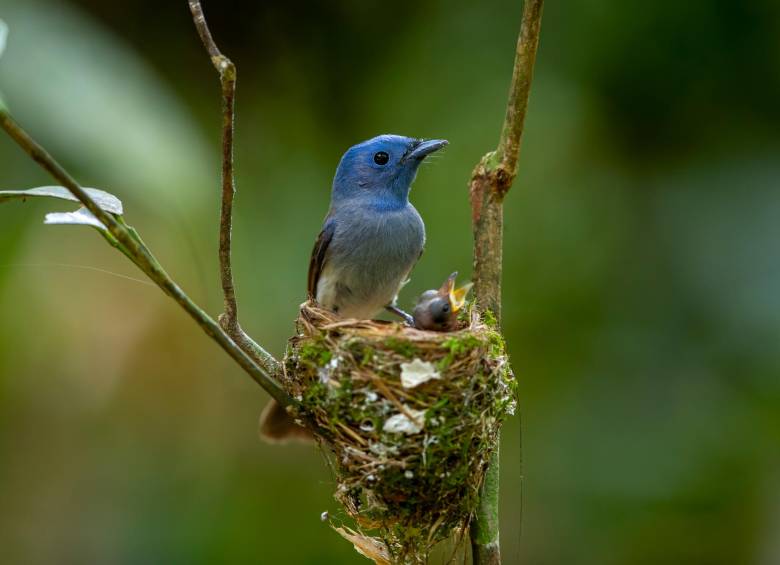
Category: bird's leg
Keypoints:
(398, 312)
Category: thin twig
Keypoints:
(491, 180)
(494, 174)
(508, 151)
(227, 77)
(128, 241)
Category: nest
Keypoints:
(409, 419)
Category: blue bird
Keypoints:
(372, 235)
(370, 241)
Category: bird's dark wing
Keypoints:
(318, 255)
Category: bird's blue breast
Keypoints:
(390, 203)
(374, 247)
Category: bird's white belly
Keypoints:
(368, 259)
(331, 294)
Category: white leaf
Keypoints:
(106, 201)
(417, 372)
(3, 36)
(403, 424)
(81, 217)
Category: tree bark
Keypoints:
(491, 180)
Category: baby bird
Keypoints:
(437, 310)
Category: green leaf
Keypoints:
(106, 201)
(81, 217)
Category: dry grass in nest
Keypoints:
(409, 417)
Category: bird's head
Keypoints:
(381, 170)
(453, 297)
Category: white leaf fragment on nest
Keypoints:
(325, 373)
(382, 449)
(417, 372)
(403, 424)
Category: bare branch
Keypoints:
(496, 172)
(508, 151)
(491, 180)
(129, 242)
(227, 78)
(205, 34)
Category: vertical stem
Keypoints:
(487, 217)
(508, 151)
(227, 77)
(491, 180)
(484, 528)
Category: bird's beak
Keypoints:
(449, 285)
(425, 148)
(457, 297)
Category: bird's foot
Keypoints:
(407, 318)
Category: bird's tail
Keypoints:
(277, 426)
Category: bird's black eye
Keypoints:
(381, 158)
(446, 308)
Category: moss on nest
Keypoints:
(409, 460)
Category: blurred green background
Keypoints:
(642, 269)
